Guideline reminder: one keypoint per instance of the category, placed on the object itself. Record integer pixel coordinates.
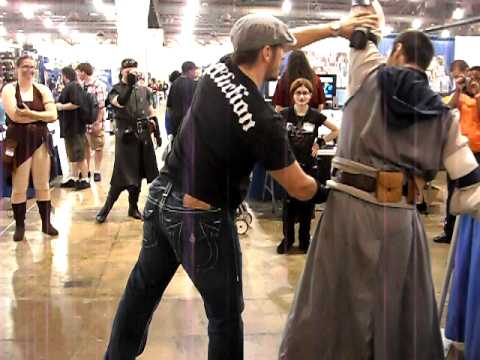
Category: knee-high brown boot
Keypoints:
(45, 208)
(19, 211)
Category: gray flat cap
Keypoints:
(254, 31)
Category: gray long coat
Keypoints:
(367, 291)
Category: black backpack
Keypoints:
(89, 108)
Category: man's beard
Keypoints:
(272, 73)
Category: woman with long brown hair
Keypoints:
(29, 107)
(298, 68)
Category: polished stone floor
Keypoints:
(58, 295)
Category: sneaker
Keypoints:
(442, 239)
(70, 183)
(82, 185)
(97, 177)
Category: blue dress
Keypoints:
(463, 318)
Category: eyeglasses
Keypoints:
(304, 93)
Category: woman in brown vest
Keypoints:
(29, 107)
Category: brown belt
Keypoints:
(358, 181)
(371, 185)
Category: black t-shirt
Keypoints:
(71, 123)
(227, 130)
(302, 132)
(179, 101)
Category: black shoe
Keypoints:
(135, 213)
(442, 239)
(82, 185)
(284, 246)
(304, 245)
(70, 183)
(101, 217)
(97, 177)
(89, 175)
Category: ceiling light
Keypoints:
(3, 2)
(445, 34)
(27, 11)
(417, 24)
(48, 23)
(458, 14)
(286, 6)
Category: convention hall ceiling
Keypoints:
(215, 17)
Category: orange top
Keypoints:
(470, 121)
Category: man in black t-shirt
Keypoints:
(181, 95)
(73, 129)
(189, 214)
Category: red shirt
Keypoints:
(281, 97)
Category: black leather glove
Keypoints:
(131, 79)
(322, 193)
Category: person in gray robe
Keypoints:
(366, 291)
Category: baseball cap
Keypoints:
(254, 31)
(129, 63)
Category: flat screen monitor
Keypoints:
(271, 86)
(329, 83)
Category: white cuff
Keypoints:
(466, 201)
(460, 163)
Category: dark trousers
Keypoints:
(206, 244)
(297, 211)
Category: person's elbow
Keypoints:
(304, 190)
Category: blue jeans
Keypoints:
(205, 243)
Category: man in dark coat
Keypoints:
(134, 151)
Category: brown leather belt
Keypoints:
(370, 184)
(359, 181)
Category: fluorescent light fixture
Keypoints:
(48, 23)
(445, 34)
(458, 14)
(3, 2)
(190, 12)
(417, 24)
(286, 6)
(27, 11)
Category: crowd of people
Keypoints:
(367, 290)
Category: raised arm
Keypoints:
(309, 34)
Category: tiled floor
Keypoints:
(58, 295)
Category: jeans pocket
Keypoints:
(206, 249)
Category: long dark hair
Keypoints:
(299, 68)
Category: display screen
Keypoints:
(329, 83)
(272, 85)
